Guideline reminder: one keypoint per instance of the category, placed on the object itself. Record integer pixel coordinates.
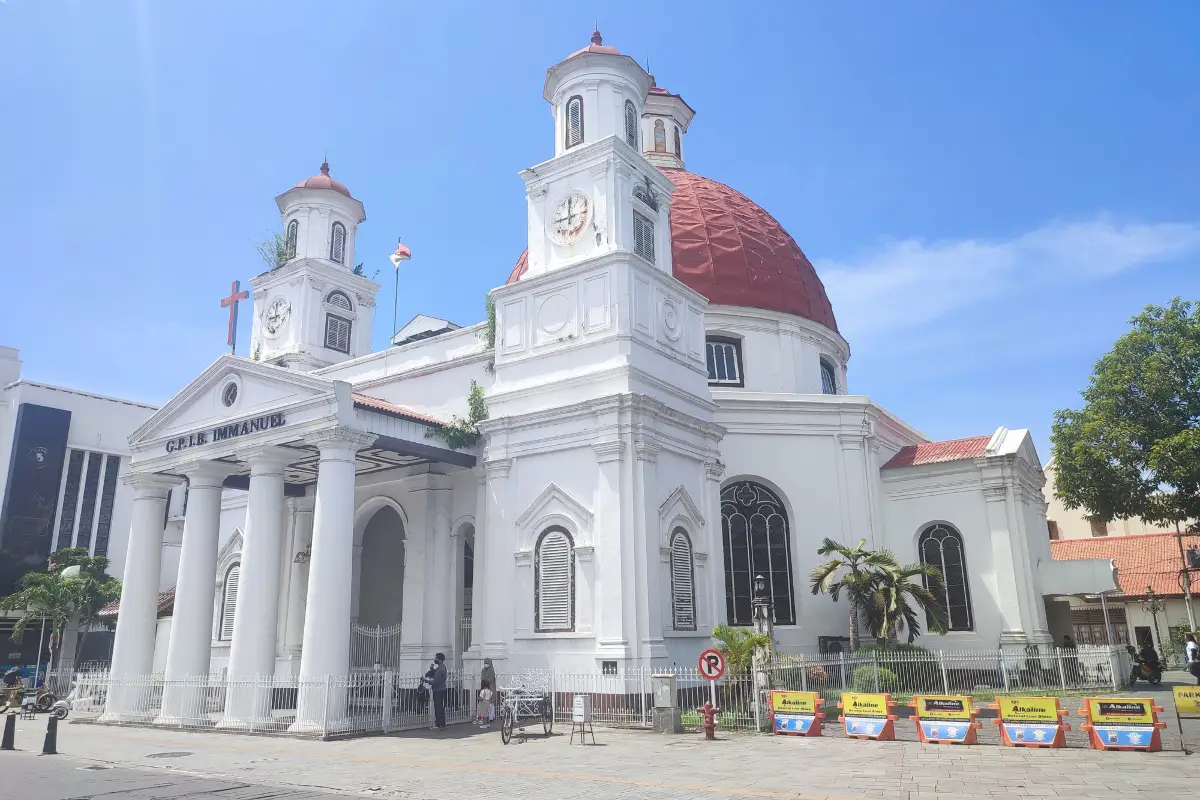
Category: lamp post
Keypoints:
(1152, 605)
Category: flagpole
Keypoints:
(402, 254)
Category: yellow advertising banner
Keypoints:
(1028, 709)
(1121, 710)
(944, 707)
(864, 705)
(794, 702)
(1187, 699)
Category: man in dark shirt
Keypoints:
(436, 678)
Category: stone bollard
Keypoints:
(10, 732)
(50, 746)
(709, 712)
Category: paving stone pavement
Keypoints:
(466, 762)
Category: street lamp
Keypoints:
(1152, 605)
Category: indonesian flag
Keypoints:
(402, 254)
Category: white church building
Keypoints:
(669, 415)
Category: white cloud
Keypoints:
(908, 283)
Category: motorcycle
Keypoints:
(1152, 674)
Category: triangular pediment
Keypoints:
(233, 389)
(680, 506)
(556, 504)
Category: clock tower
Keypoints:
(313, 309)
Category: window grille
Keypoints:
(724, 362)
(942, 546)
(574, 121)
(757, 541)
(554, 582)
(631, 131)
(643, 237)
(683, 586)
(828, 378)
(229, 602)
(337, 244)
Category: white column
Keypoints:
(1012, 632)
(494, 609)
(612, 636)
(714, 571)
(191, 625)
(298, 585)
(327, 617)
(133, 648)
(252, 652)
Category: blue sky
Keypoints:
(989, 189)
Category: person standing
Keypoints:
(1191, 656)
(436, 678)
(487, 680)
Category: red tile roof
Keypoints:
(915, 455)
(383, 406)
(1149, 559)
(166, 603)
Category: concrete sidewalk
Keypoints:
(465, 762)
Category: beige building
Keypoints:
(1065, 523)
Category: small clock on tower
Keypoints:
(276, 316)
(569, 217)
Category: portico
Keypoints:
(279, 436)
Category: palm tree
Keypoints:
(737, 645)
(852, 570)
(898, 598)
(40, 596)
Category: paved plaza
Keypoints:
(144, 764)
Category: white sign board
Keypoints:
(581, 709)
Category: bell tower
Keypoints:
(314, 308)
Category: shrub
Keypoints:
(865, 677)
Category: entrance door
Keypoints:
(1142, 634)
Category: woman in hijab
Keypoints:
(488, 681)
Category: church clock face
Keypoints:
(276, 316)
(569, 218)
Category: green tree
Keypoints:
(1133, 450)
(73, 589)
(737, 646)
(900, 595)
(853, 571)
(462, 432)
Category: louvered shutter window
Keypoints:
(643, 237)
(229, 601)
(574, 121)
(337, 244)
(631, 131)
(554, 582)
(337, 333)
(683, 589)
(293, 235)
(678, 145)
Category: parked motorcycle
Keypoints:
(1144, 671)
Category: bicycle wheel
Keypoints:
(506, 724)
(547, 715)
(46, 701)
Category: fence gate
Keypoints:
(372, 645)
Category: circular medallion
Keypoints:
(229, 394)
(670, 318)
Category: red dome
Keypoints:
(729, 249)
(323, 181)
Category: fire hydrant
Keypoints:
(709, 711)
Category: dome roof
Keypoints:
(323, 181)
(729, 249)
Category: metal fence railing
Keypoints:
(383, 701)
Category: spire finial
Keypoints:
(597, 39)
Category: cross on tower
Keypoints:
(231, 302)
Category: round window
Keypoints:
(229, 394)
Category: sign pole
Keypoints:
(712, 692)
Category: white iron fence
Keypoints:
(371, 702)
(374, 647)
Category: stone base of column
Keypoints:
(172, 721)
(127, 705)
(248, 707)
(320, 709)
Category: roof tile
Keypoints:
(914, 455)
(1149, 559)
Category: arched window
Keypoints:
(337, 244)
(678, 145)
(683, 583)
(631, 131)
(293, 235)
(756, 540)
(660, 136)
(828, 378)
(942, 547)
(574, 131)
(337, 328)
(229, 602)
(554, 581)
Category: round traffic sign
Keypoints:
(712, 664)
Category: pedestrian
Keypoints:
(484, 708)
(1067, 643)
(487, 680)
(1191, 654)
(436, 678)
